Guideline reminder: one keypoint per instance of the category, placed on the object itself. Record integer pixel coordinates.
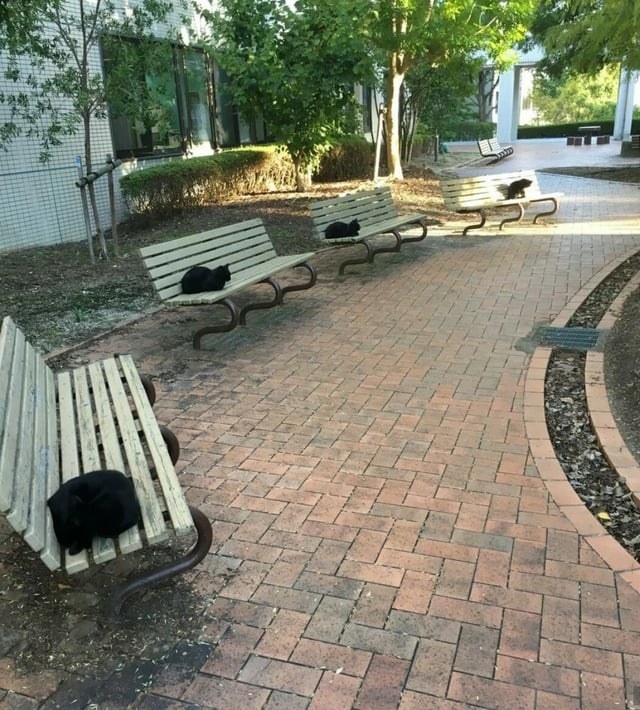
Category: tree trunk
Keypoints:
(394, 87)
(303, 175)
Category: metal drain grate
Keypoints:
(570, 338)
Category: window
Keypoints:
(166, 99)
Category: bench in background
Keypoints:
(377, 214)
(479, 194)
(252, 259)
(57, 425)
(490, 148)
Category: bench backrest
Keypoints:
(242, 246)
(484, 146)
(367, 206)
(29, 466)
(459, 193)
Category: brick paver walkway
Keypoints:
(363, 456)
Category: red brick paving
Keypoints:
(374, 459)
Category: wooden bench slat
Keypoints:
(111, 455)
(70, 464)
(12, 359)
(102, 549)
(45, 457)
(175, 503)
(136, 461)
(18, 514)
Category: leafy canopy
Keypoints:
(293, 65)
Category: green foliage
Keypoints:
(348, 158)
(582, 36)
(294, 67)
(576, 98)
(197, 182)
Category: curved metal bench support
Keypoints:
(313, 275)
(173, 445)
(149, 389)
(232, 306)
(479, 225)
(368, 259)
(191, 559)
(553, 210)
(275, 301)
(423, 226)
(517, 217)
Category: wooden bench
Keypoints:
(377, 214)
(57, 425)
(490, 148)
(479, 194)
(252, 259)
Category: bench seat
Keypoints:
(490, 148)
(57, 425)
(488, 192)
(245, 247)
(377, 214)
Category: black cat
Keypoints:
(202, 278)
(517, 188)
(97, 504)
(336, 230)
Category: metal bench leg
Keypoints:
(313, 275)
(352, 262)
(191, 559)
(149, 389)
(423, 226)
(517, 217)
(173, 445)
(235, 319)
(275, 301)
(553, 210)
(479, 225)
(389, 250)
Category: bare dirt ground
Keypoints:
(59, 299)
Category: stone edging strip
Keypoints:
(615, 450)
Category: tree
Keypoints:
(294, 66)
(63, 90)
(409, 32)
(582, 36)
(576, 98)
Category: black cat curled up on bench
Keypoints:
(97, 504)
(337, 230)
(202, 278)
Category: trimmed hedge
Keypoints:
(349, 158)
(570, 129)
(196, 182)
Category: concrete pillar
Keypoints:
(508, 106)
(624, 105)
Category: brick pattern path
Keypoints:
(362, 454)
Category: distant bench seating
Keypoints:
(479, 194)
(490, 148)
(245, 247)
(377, 215)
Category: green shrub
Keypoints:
(349, 158)
(468, 131)
(197, 182)
(570, 129)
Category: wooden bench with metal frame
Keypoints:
(57, 425)
(490, 148)
(488, 192)
(252, 259)
(377, 215)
